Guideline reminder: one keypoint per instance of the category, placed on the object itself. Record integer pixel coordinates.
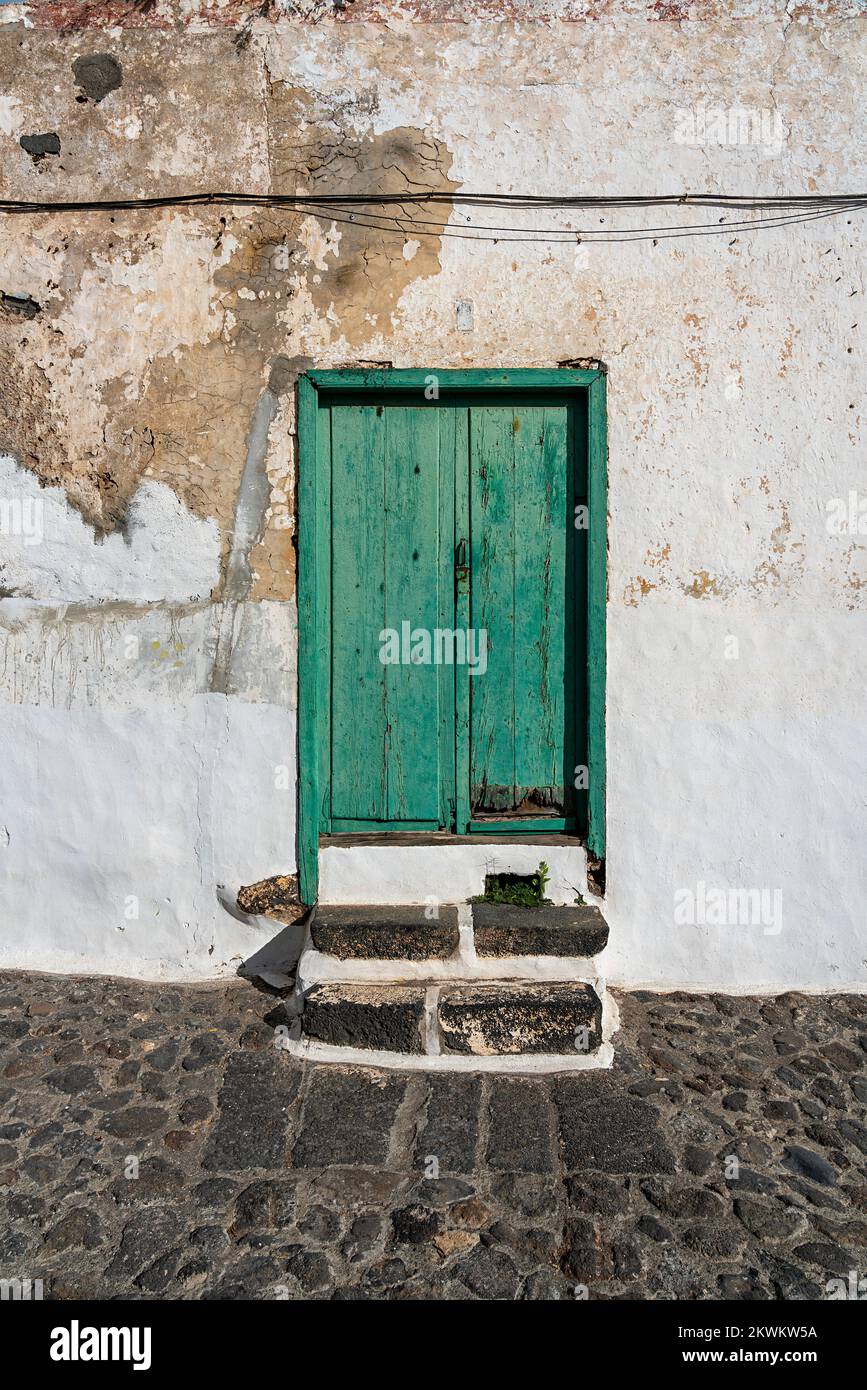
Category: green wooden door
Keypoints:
(524, 486)
(391, 755)
(454, 603)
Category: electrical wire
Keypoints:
(408, 225)
(371, 210)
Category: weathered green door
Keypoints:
(523, 492)
(451, 596)
(391, 756)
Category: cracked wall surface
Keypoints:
(148, 362)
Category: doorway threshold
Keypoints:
(418, 838)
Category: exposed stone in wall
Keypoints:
(273, 897)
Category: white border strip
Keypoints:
(311, 1051)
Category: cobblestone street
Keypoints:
(155, 1143)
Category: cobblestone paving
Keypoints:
(725, 1156)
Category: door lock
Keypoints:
(462, 569)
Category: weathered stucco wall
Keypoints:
(147, 364)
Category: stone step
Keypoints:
(384, 933)
(382, 1018)
(519, 1019)
(495, 1019)
(501, 929)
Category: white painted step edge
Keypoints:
(528, 1063)
(433, 1060)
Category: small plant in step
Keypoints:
(518, 890)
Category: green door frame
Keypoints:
(314, 561)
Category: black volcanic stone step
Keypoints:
(501, 929)
(388, 1018)
(490, 1020)
(384, 933)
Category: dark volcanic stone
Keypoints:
(156, 1179)
(348, 1117)
(520, 1137)
(830, 1257)
(38, 146)
(592, 1192)
(97, 74)
(252, 1126)
(489, 1274)
(194, 1109)
(407, 1187)
(136, 1122)
(502, 929)
(310, 1268)
(810, 1165)
(649, 1226)
(452, 1125)
(144, 1239)
(204, 1051)
(789, 1281)
(265, 1203)
(676, 1199)
(707, 1238)
(748, 1181)
(604, 1128)
(766, 1219)
(384, 933)
(78, 1227)
(496, 1019)
(414, 1225)
(384, 1018)
(215, 1192)
(73, 1080)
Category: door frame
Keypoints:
(313, 557)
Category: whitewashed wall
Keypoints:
(737, 642)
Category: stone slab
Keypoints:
(502, 929)
(385, 1018)
(502, 1019)
(384, 933)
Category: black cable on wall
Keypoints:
(399, 213)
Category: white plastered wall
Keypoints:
(735, 415)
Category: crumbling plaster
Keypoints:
(151, 397)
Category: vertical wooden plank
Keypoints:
(576, 759)
(309, 647)
(596, 603)
(492, 602)
(323, 610)
(460, 586)
(447, 683)
(412, 603)
(358, 692)
(540, 607)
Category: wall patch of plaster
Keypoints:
(163, 553)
